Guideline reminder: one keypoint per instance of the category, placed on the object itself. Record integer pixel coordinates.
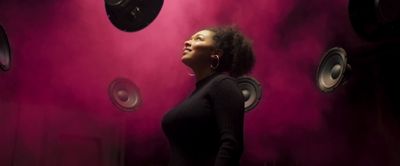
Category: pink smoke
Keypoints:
(67, 52)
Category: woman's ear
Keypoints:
(218, 52)
(215, 61)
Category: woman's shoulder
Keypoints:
(225, 85)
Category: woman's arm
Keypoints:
(228, 104)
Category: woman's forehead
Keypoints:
(205, 33)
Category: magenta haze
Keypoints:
(67, 52)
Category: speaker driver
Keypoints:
(5, 53)
(124, 94)
(251, 90)
(375, 19)
(331, 70)
(132, 15)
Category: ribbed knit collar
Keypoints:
(203, 81)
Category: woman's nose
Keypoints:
(187, 43)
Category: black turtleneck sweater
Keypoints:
(206, 129)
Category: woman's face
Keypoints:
(198, 49)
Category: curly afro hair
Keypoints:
(238, 58)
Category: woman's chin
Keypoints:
(185, 59)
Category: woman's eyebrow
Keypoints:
(197, 35)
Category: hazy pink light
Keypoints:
(67, 52)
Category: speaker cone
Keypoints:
(331, 70)
(5, 54)
(251, 90)
(375, 19)
(124, 94)
(132, 15)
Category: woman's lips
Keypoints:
(186, 50)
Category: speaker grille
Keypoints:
(251, 90)
(375, 20)
(5, 53)
(132, 15)
(331, 69)
(124, 94)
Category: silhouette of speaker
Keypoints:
(375, 19)
(333, 69)
(124, 94)
(5, 53)
(251, 90)
(132, 15)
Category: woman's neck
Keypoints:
(201, 74)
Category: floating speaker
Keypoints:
(251, 90)
(5, 54)
(375, 19)
(331, 70)
(124, 94)
(132, 15)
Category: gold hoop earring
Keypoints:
(191, 74)
(216, 66)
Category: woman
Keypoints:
(207, 128)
